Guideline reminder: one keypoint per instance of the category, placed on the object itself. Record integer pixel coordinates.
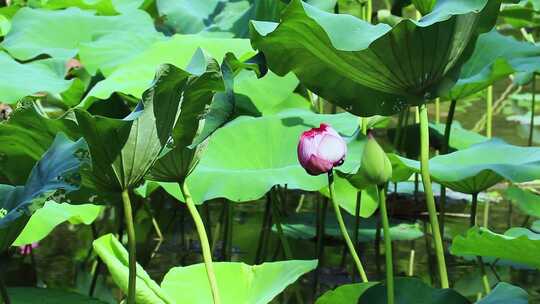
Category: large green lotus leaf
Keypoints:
(44, 220)
(518, 245)
(123, 150)
(494, 58)
(346, 197)
(135, 76)
(25, 137)
(344, 294)
(505, 293)
(238, 283)
(33, 295)
(57, 170)
(60, 33)
(412, 291)
(115, 256)
(304, 226)
(527, 201)
(460, 138)
(478, 167)
(186, 17)
(103, 7)
(267, 92)
(374, 69)
(47, 76)
(251, 155)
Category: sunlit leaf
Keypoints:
(44, 220)
(115, 256)
(238, 283)
(344, 294)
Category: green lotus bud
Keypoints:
(375, 166)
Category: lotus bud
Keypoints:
(375, 166)
(321, 149)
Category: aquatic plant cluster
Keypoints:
(200, 143)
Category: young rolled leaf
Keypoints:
(123, 150)
(115, 256)
(239, 283)
(518, 245)
(390, 68)
(478, 167)
(412, 290)
(44, 220)
(495, 57)
(58, 170)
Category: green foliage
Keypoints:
(527, 201)
(390, 68)
(473, 174)
(346, 196)
(238, 282)
(57, 170)
(517, 244)
(344, 294)
(44, 220)
(505, 293)
(32, 295)
(115, 256)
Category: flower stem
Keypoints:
(128, 218)
(205, 245)
(444, 150)
(387, 245)
(343, 229)
(533, 103)
(489, 110)
(479, 260)
(430, 200)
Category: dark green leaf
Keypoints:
(344, 294)
(31, 295)
(505, 293)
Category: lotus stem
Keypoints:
(322, 206)
(263, 237)
(357, 224)
(533, 103)
(444, 150)
(205, 245)
(411, 258)
(430, 199)
(485, 279)
(387, 245)
(343, 229)
(128, 218)
(437, 110)
(3, 291)
(489, 111)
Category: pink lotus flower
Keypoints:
(321, 149)
(27, 249)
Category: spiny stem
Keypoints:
(343, 229)
(430, 200)
(387, 245)
(128, 218)
(205, 245)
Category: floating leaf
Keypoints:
(517, 245)
(115, 256)
(478, 167)
(495, 57)
(344, 294)
(47, 77)
(527, 201)
(304, 226)
(60, 33)
(505, 293)
(412, 290)
(57, 170)
(390, 68)
(32, 295)
(238, 283)
(44, 220)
